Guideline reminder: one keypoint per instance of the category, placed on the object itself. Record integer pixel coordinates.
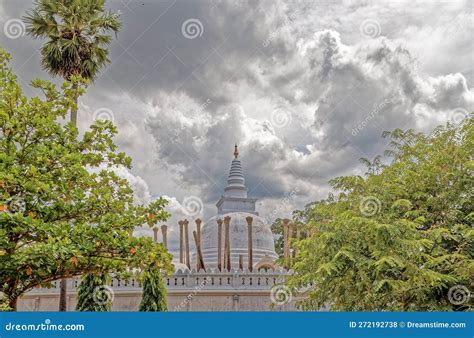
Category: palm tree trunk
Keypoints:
(63, 282)
(63, 295)
(12, 303)
(74, 110)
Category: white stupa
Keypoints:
(210, 289)
(237, 205)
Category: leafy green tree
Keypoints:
(399, 238)
(277, 230)
(77, 33)
(154, 291)
(4, 304)
(94, 294)
(63, 209)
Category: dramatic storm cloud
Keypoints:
(305, 88)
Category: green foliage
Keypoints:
(77, 35)
(399, 238)
(4, 304)
(93, 294)
(154, 291)
(277, 230)
(63, 209)
(300, 217)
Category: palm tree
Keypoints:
(77, 33)
(77, 37)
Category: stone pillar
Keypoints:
(298, 235)
(219, 245)
(181, 257)
(200, 262)
(186, 241)
(198, 242)
(227, 243)
(290, 236)
(164, 232)
(286, 240)
(198, 229)
(155, 234)
(249, 220)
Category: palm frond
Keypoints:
(77, 34)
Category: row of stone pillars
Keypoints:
(287, 235)
(184, 255)
(164, 232)
(184, 242)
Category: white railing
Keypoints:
(189, 280)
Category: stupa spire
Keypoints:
(235, 193)
(236, 181)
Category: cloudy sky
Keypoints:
(305, 88)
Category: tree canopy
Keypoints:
(399, 238)
(154, 291)
(63, 209)
(77, 33)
